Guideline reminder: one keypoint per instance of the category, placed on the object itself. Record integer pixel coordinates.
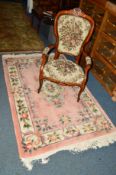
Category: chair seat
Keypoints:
(63, 70)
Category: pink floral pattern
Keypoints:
(53, 116)
(31, 142)
(53, 93)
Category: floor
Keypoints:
(92, 162)
(15, 24)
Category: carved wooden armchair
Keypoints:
(73, 30)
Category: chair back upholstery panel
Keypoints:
(72, 30)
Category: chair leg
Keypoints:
(40, 85)
(80, 91)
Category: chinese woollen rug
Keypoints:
(52, 120)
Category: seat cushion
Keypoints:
(63, 70)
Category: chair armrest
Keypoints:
(88, 60)
(88, 64)
(48, 49)
(45, 56)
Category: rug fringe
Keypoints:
(98, 142)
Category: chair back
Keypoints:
(73, 30)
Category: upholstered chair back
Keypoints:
(72, 30)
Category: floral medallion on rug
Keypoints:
(52, 120)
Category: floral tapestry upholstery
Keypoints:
(72, 31)
(63, 70)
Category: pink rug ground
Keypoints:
(52, 120)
